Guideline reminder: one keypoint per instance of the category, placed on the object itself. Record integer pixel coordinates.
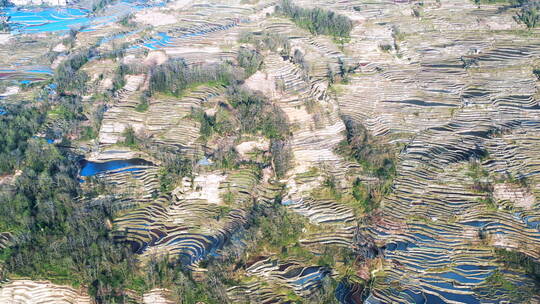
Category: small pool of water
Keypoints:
(92, 168)
(204, 162)
(288, 203)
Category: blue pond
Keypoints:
(93, 168)
(3, 111)
(204, 162)
(288, 203)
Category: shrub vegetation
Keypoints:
(174, 76)
(317, 21)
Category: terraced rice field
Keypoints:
(189, 228)
(447, 116)
(25, 291)
(447, 84)
(62, 19)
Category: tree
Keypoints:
(249, 60)
(281, 156)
